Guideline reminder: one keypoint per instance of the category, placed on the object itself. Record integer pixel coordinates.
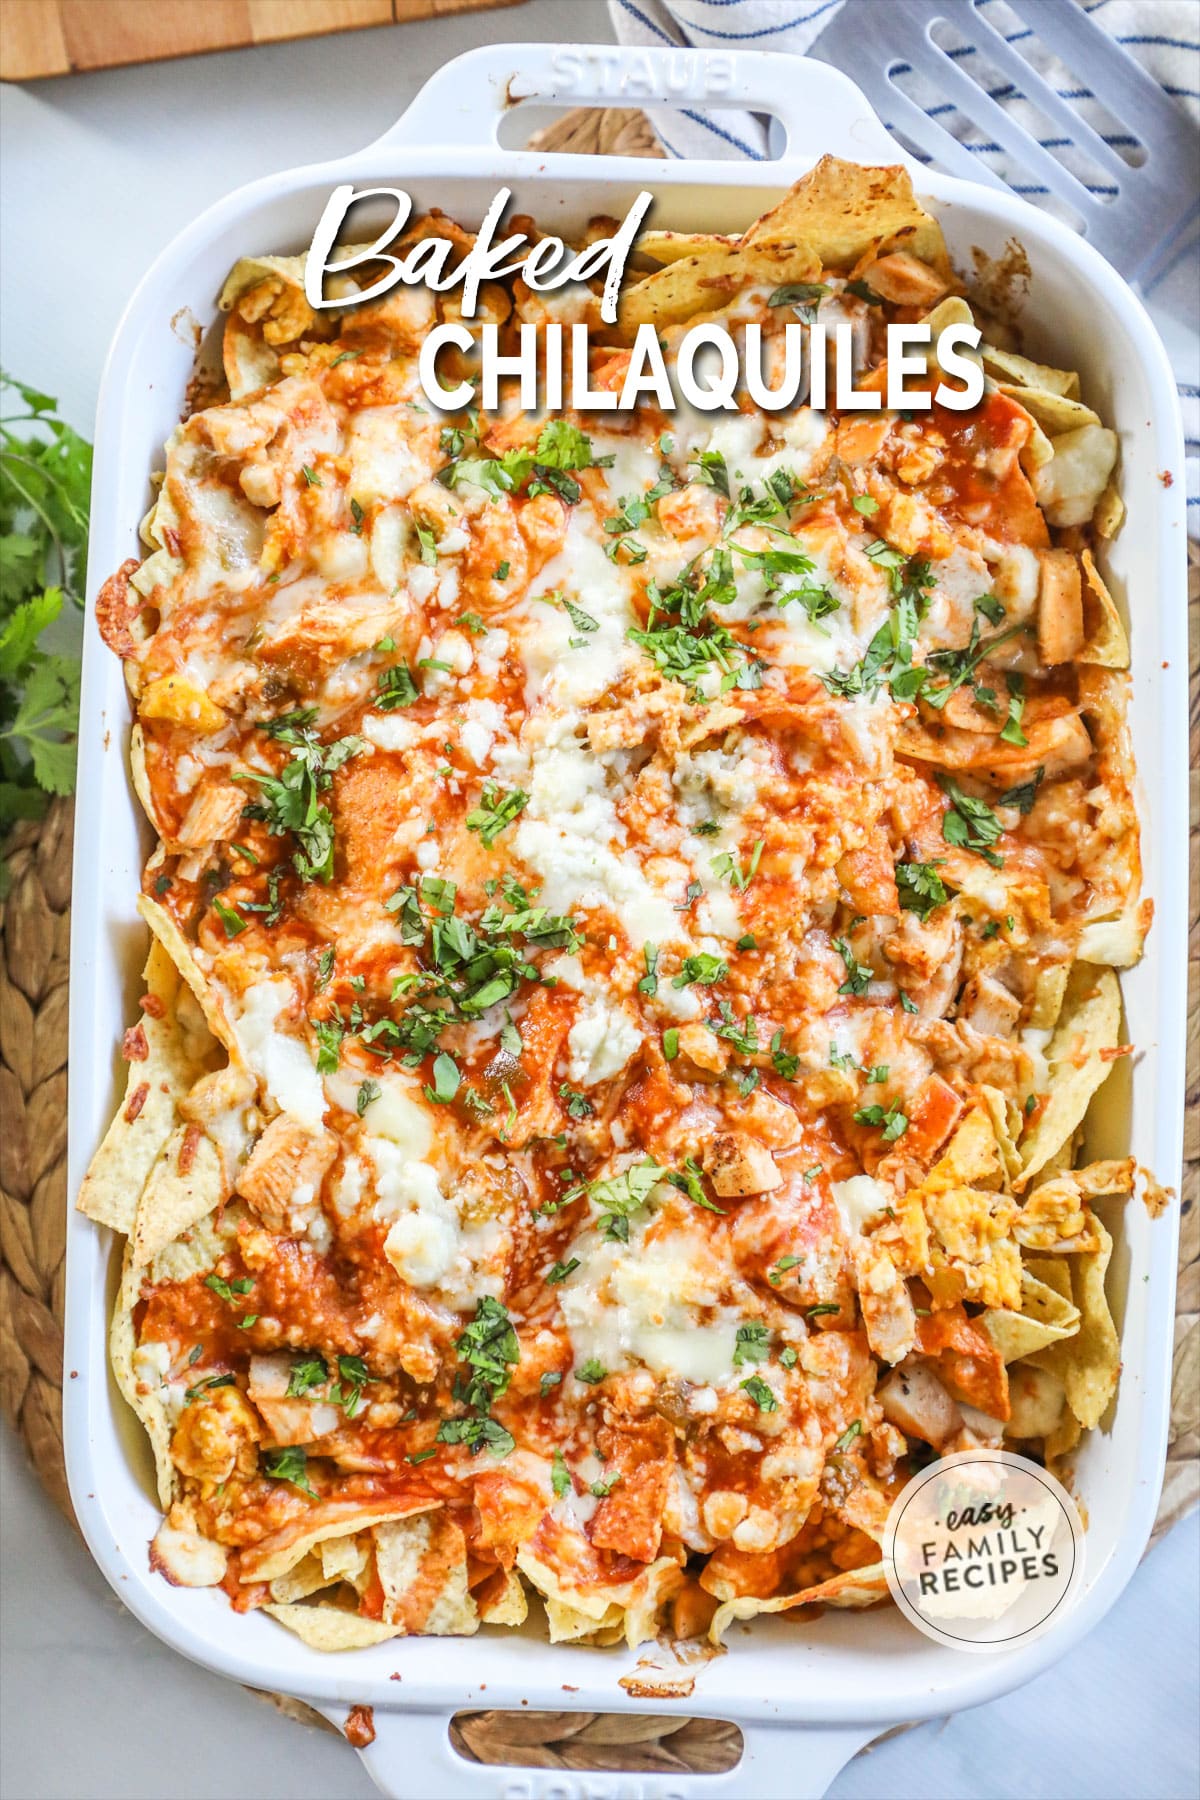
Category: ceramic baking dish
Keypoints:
(805, 1698)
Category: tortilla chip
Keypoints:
(631, 1609)
(567, 1625)
(186, 1184)
(652, 1593)
(251, 271)
(1105, 641)
(1109, 513)
(670, 246)
(133, 1142)
(146, 1400)
(139, 776)
(1070, 486)
(1020, 372)
(503, 1601)
(704, 284)
(1052, 1272)
(953, 310)
(856, 1588)
(1005, 1116)
(248, 362)
(1059, 1444)
(182, 955)
(1088, 1363)
(1053, 412)
(308, 1577)
(843, 210)
(278, 1554)
(422, 1567)
(331, 1627)
(1045, 1317)
(344, 1558)
(1050, 984)
(1089, 1023)
(198, 1249)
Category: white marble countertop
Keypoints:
(97, 172)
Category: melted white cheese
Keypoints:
(283, 1063)
(648, 1301)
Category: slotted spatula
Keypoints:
(1145, 226)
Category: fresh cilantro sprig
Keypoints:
(45, 478)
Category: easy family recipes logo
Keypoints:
(983, 1549)
(705, 366)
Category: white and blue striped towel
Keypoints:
(1164, 35)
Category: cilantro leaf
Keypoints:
(921, 888)
(291, 1465)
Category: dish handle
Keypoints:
(819, 107)
(412, 1758)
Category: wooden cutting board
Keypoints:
(60, 37)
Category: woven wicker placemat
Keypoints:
(34, 942)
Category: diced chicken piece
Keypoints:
(262, 483)
(860, 440)
(989, 1007)
(1038, 1400)
(298, 1420)
(212, 817)
(904, 280)
(869, 879)
(217, 1431)
(700, 1046)
(979, 1430)
(493, 306)
(772, 1122)
(887, 1309)
(1060, 607)
(914, 1399)
(285, 1169)
(737, 1164)
(688, 512)
(543, 525)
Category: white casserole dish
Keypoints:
(805, 1699)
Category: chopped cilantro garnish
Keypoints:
(226, 1290)
(752, 1345)
(893, 1122)
(921, 888)
(496, 811)
(230, 918)
(290, 1464)
(970, 823)
(858, 975)
(308, 1372)
(761, 1394)
(702, 968)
